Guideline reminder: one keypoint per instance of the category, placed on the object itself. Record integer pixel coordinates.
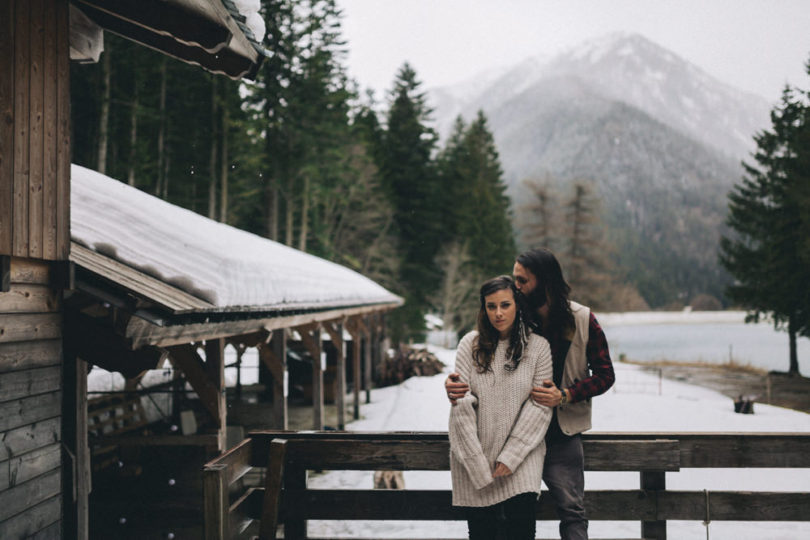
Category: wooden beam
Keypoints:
(372, 345)
(356, 365)
(272, 489)
(7, 83)
(35, 129)
(215, 368)
(186, 358)
(311, 338)
(142, 332)
(74, 436)
(216, 504)
(5, 264)
(30, 299)
(50, 202)
(654, 482)
(335, 331)
(30, 327)
(63, 150)
(254, 339)
(101, 346)
(22, 93)
(274, 357)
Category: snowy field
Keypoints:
(638, 402)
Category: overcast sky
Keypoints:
(754, 45)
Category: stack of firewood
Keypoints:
(406, 362)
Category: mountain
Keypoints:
(659, 139)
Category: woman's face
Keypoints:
(501, 311)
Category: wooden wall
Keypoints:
(34, 129)
(30, 403)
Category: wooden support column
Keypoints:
(215, 368)
(274, 356)
(209, 388)
(367, 358)
(335, 331)
(77, 453)
(311, 337)
(654, 482)
(357, 375)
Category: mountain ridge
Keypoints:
(660, 140)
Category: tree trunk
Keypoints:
(212, 164)
(104, 117)
(161, 188)
(794, 356)
(223, 192)
(302, 238)
(133, 137)
(272, 209)
(289, 207)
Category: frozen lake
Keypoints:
(713, 337)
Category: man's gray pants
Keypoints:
(564, 475)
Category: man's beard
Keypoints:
(535, 299)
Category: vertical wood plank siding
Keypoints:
(34, 129)
(30, 403)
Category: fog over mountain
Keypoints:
(659, 139)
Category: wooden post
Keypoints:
(370, 339)
(215, 369)
(313, 344)
(272, 489)
(274, 358)
(336, 334)
(280, 385)
(74, 437)
(653, 482)
(295, 478)
(356, 367)
(216, 504)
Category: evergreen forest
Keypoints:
(302, 156)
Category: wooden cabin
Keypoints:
(158, 286)
(67, 305)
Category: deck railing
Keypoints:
(235, 511)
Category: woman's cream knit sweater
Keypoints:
(498, 422)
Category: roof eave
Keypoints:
(199, 32)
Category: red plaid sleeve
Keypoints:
(599, 364)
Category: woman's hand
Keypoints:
(501, 470)
(455, 388)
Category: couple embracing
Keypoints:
(521, 398)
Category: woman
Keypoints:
(496, 431)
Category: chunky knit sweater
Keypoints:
(497, 421)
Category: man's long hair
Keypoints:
(488, 335)
(547, 271)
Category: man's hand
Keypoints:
(548, 394)
(501, 470)
(455, 388)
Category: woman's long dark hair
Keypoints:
(488, 335)
(547, 271)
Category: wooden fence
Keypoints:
(235, 511)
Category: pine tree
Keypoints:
(537, 215)
(584, 255)
(409, 178)
(768, 211)
(487, 223)
(477, 225)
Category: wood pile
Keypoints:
(407, 362)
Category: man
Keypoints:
(582, 370)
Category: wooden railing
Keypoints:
(233, 511)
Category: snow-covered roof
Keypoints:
(230, 269)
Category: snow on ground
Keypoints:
(638, 402)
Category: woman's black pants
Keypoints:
(512, 519)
